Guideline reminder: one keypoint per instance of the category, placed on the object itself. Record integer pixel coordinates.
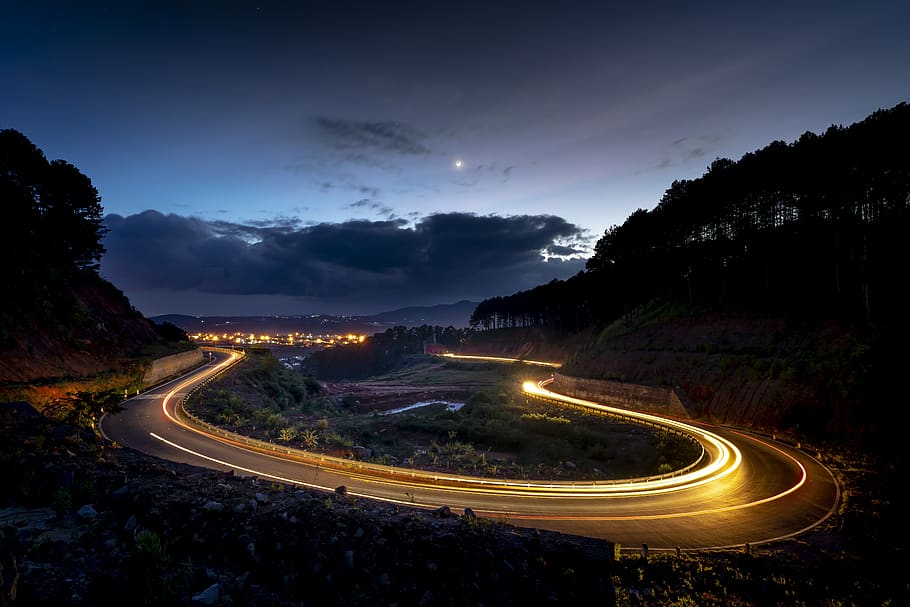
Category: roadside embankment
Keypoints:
(662, 401)
(167, 366)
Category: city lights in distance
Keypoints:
(298, 339)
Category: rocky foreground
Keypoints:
(86, 524)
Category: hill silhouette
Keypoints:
(768, 292)
(59, 318)
(815, 228)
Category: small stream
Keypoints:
(449, 406)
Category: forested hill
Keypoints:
(814, 228)
(58, 317)
(381, 352)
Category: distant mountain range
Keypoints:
(444, 315)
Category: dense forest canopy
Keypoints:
(815, 227)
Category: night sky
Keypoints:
(354, 157)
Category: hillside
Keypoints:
(381, 352)
(532, 343)
(812, 229)
(59, 320)
(766, 292)
(455, 315)
(444, 315)
(820, 381)
(91, 329)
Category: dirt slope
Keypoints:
(765, 373)
(89, 329)
(533, 343)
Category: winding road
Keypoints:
(744, 489)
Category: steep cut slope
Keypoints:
(86, 327)
(804, 377)
(532, 343)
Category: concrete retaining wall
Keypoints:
(662, 401)
(162, 368)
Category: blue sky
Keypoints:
(249, 123)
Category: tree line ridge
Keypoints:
(816, 227)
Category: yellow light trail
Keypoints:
(501, 359)
(724, 458)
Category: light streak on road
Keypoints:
(726, 458)
(501, 359)
(702, 496)
(723, 458)
(233, 357)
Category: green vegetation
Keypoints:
(500, 433)
(497, 433)
(151, 551)
(262, 397)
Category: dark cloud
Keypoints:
(378, 207)
(280, 222)
(563, 250)
(359, 134)
(371, 265)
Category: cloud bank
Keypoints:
(358, 266)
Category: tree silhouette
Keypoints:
(52, 208)
(171, 332)
(817, 227)
(71, 215)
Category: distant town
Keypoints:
(296, 339)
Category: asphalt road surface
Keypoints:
(747, 489)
